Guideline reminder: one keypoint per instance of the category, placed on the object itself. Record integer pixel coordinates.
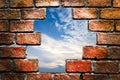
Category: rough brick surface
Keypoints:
(12, 52)
(84, 13)
(10, 14)
(101, 25)
(3, 3)
(108, 38)
(39, 77)
(78, 66)
(107, 67)
(34, 13)
(116, 3)
(95, 52)
(13, 76)
(115, 53)
(110, 13)
(29, 39)
(23, 65)
(118, 26)
(66, 77)
(6, 65)
(22, 26)
(3, 26)
(21, 3)
(7, 38)
(41, 3)
(99, 3)
(72, 3)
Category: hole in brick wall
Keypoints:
(62, 38)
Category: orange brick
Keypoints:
(10, 14)
(116, 3)
(34, 13)
(41, 3)
(78, 66)
(29, 39)
(3, 26)
(3, 3)
(23, 65)
(110, 13)
(21, 26)
(21, 3)
(99, 3)
(101, 25)
(118, 26)
(108, 38)
(84, 13)
(95, 52)
(72, 3)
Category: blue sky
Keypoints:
(62, 38)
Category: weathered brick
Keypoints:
(107, 67)
(6, 65)
(72, 3)
(101, 25)
(10, 14)
(116, 3)
(34, 13)
(12, 52)
(13, 76)
(108, 38)
(21, 26)
(41, 3)
(66, 77)
(3, 26)
(78, 66)
(21, 3)
(99, 3)
(3, 3)
(110, 13)
(118, 26)
(26, 65)
(39, 77)
(95, 52)
(115, 53)
(84, 13)
(7, 38)
(29, 39)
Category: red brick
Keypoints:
(101, 25)
(21, 3)
(22, 26)
(10, 14)
(108, 38)
(99, 3)
(41, 3)
(118, 26)
(116, 3)
(29, 39)
(3, 3)
(13, 76)
(72, 3)
(3, 26)
(12, 52)
(114, 77)
(115, 52)
(66, 77)
(95, 52)
(34, 13)
(7, 38)
(107, 67)
(23, 65)
(110, 13)
(6, 65)
(39, 77)
(78, 66)
(84, 13)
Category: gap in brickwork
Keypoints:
(62, 38)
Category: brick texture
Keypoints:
(3, 26)
(84, 13)
(95, 52)
(78, 66)
(115, 52)
(3, 3)
(116, 3)
(118, 26)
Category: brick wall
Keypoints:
(17, 31)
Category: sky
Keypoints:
(62, 38)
